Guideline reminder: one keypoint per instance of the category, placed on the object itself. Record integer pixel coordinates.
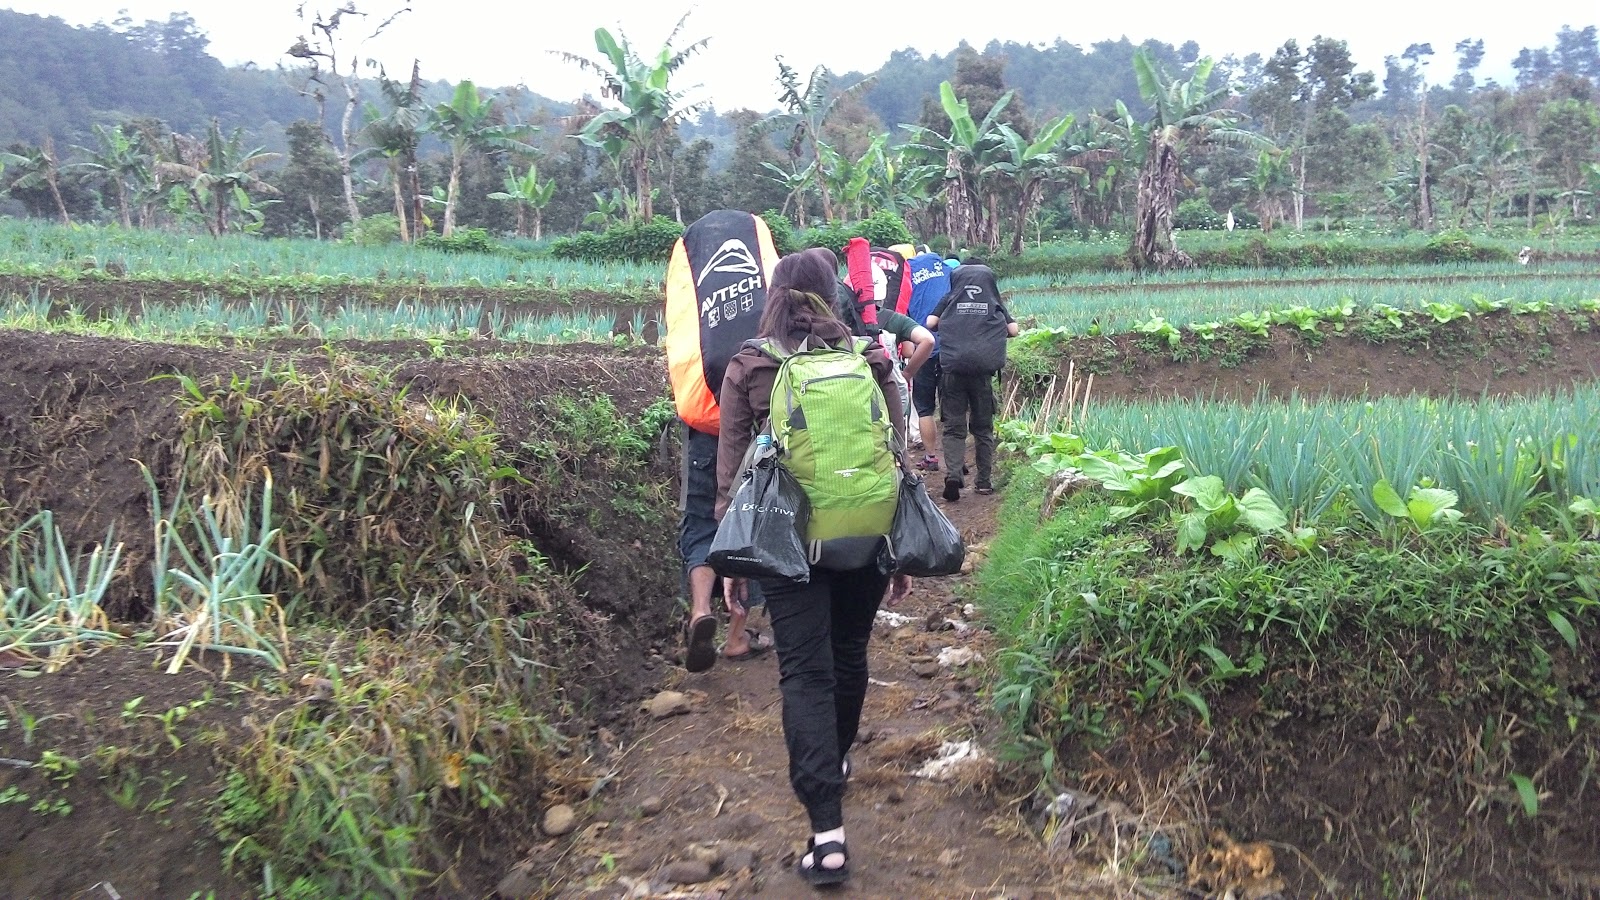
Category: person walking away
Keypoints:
(893, 331)
(716, 291)
(973, 326)
(930, 282)
(836, 411)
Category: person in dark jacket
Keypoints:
(821, 628)
(973, 326)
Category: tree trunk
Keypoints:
(538, 224)
(400, 207)
(222, 212)
(122, 203)
(1300, 196)
(316, 214)
(450, 193)
(413, 179)
(822, 183)
(352, 93)
(522, 219)
(1030, 192)
(641, 182)
(1158, 186)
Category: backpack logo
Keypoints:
(733, 258)
(972, 291)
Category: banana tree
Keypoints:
(528, 193)
(1187, 114)
(853, 181)
(967, 152)
(1030, 165)
(217, 172)
(467, 123)
(395, 136)
(1269, 185)
(798, 183)
(118, 162)
(37, 168)
(649, 106)
(806, 113)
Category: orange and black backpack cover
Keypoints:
(716, 291)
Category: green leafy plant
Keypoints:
(1140, 482)
(1221, 519)
(1425, 508)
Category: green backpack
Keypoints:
(831, 428)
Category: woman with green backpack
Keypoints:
(829, 403)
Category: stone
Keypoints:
(667, 704)
(926, 669)
(559, 820)
(519, 883)
(950, 858)
(651, 806)
(687, 871)
(895, 795)
(740, 859)
(710, 854)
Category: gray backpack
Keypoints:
(973, 329)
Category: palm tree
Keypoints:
(468, 123)
(649, 106)
(218, 172)
(1186, 115)
(1031, 165)
(527, 192)
(120, 162)
(39, 168)
(806, 113)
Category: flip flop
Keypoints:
(701, 652)
(757, 648)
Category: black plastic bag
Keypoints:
(922, 542)
(761, 534)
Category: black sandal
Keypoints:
(816, 874)
(700, 636)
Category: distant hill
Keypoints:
(58, 80)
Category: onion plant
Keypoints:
(208, 594)
(50, 602)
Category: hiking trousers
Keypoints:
(967, 401)
(820, 630)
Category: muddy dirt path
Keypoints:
(700, 806)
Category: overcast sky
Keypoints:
(504, 42)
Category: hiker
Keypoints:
(893, 331)
(930, 282)
(821, 627)
(716, 290)
(973, 326)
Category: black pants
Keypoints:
(964, 397)
(821, 631)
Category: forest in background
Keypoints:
(138, 122)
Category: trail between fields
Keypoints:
(705, 794)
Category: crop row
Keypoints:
(263, 318)
(1111, 312)
(1496, 459)
(36, 248)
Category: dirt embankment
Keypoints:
(1498, 354)
(79, 414)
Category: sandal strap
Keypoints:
(818, 852)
